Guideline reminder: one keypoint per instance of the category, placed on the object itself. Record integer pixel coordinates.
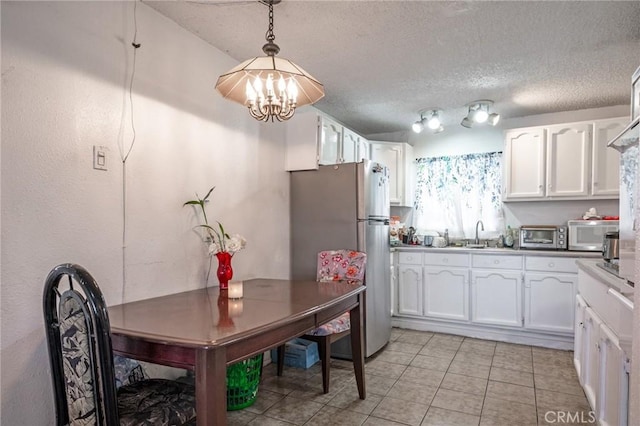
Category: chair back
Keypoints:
(80, 352)
(341, 265)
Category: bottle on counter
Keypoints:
(508, 238)
(446, 237)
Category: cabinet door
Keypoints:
(548, 301)
(611, 409)
(591, 355)
(446, 293)
(579, 335)
(605, 168)
(568, 160)
(410, 289)
(390, 154)
(496, 297)
(524, 158)
(350, 143)
(302, 133)
(363, 150)
(330, 141)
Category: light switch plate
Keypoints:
(100, 157)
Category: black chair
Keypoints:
(81, 357)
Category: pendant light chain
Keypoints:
(269, 36)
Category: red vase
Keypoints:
(225, 272)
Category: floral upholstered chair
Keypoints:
(82, 366)
(333, 265)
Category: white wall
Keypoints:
(65, 73)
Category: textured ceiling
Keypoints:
(383, 61)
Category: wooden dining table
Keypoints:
(206, 331)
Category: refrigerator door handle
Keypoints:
(383, 221)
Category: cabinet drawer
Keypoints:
(409, 258)
(551, 264)
(446, 259)
(498, 262)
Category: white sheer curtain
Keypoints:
(454, 192)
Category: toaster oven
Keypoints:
(543, 237)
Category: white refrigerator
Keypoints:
(346, 206)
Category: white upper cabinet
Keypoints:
(524, 158)
(330, 142)
(350, 144)
(606, 161)
(314, 139)
(566, 161)
(398, 157)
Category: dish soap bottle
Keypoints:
(446, 237)
(508, 238)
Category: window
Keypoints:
(454, 192)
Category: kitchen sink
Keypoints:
(475, 246)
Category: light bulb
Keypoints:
(434, 122)
(480, 116)
(292, 89)
(257, 86)
(269, 84)
(417, 126)
(251, 94)
(281, 86)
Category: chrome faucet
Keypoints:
(477, 240)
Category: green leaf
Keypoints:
(208, 193)
(191, 202)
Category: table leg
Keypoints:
(357, 349)
(211, 387)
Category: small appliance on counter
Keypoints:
(610, 246)
(543, 237)
(588, 235)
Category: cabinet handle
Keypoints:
(539, 186)
(496, 261)
(445, 260)
(551, 264)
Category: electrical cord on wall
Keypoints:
(124, 156)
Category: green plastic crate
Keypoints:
(243, 379)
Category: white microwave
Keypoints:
(588, 235)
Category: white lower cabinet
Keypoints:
(446, 293)
(601, 363)
(548, 301)
(614, 381)
(523, 296)
(410, 289)
(578, 338)
(591, 355)
(496, 297)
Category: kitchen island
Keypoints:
(518, 296)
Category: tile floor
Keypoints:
(423, 378)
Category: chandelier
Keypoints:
(269, 86)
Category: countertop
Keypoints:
(590, 267)
(501, 251)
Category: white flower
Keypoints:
(213, 248)
(235, 243)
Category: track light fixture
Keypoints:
(429, 118)
(479, 114)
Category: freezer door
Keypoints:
(373, 190)
(378, 282)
